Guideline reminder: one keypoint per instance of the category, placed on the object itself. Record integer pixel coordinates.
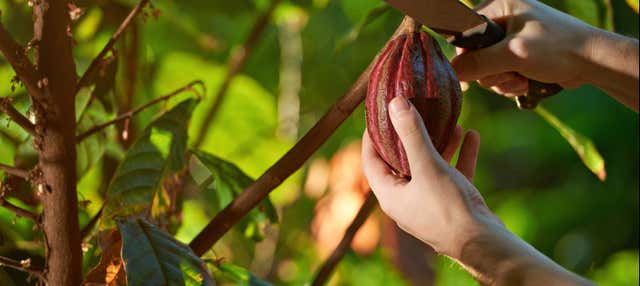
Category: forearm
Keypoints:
(498, 258)
(612, 65)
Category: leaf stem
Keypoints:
(132, 113)
(16, 116)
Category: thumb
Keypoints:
(413, 134)
(474, 65)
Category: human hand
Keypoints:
(541, 43)
(438, 205)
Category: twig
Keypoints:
(18, 265)
(19, 211)
(15, 55)
(15, 171)
(97, 61)
(330, 264)
(131, 113)
(234, 66)
(87, 228)
(16, 116)
(289, 163)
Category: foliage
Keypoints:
(163, 190)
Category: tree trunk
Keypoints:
(55, 142)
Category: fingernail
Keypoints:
(399, 104)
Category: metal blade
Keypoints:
(450, 17)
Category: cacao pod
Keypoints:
(412, 65)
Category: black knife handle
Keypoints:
(493, 34)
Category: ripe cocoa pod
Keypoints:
(412, 65)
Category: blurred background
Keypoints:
(307, 56)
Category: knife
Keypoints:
(463, 27)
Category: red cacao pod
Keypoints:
(412, 65)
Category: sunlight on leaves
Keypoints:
(633, 4)
(238, 275)
(161, 147)
(581, 144)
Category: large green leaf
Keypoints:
(581, 144)
(225, 181)
(160, 148)
(238, 275)
(153, 257)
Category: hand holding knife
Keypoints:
(465, 28)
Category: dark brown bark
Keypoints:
(325, 271)
(55, 143)
(17, 117)
(289, 163)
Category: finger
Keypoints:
(469, 155)
(497, 79)
(513, 87)
(477, 64)
(378, 174)
(413, 134)
(491, 9)
(451, 148)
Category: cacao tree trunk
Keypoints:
(55, 142)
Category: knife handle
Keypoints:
(492, 34)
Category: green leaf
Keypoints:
(581, 144)
(160, 148)
(227, 181)
(353, 34)
(153, 257)
(239, 275)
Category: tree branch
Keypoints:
(22, 266)
(89, 74)
(87, 228)
(15, 55)
(235, 65)
(15, 171)
(330, 264)
(131, 113)
(19, 211)
(289, 163)
(16, 116)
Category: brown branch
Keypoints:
(132, 113)
(330, 264)
(15, 171)
(87, 228)
(16, 116)
(236, 63)
(26, 267)
(88, 75)
(19, 211)
(289, 163)
(15, 55)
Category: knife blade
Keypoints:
(465, 28)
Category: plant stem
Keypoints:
(132, 113)
(338, 253)
(89, 74)
(15, 55)
(17, 117)
(55, 143)
(19, 211)
(290, 162)
(15, 171)
(236, 63)
(8, 262)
